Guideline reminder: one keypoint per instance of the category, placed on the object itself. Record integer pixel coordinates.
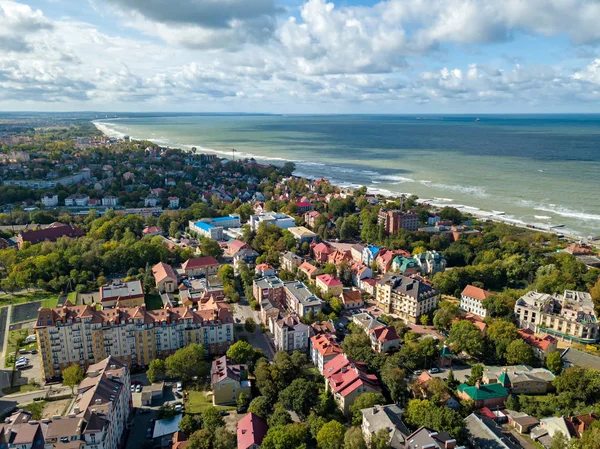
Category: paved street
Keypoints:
(256, 339)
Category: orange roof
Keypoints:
(307, 267)
(475, 292)
(162, 271)
(329, 280)
(473, 319)
(264, 267)
(385, 334)
(542, 343)
(325, 345)
(351, 296)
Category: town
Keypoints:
(154, 297)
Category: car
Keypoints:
(178, 395)
(34, 351)
(138, 388)
(418, 372)
(149, 433)
(20, 367)
(237, 320)
(22, 359)
(23, 351)
(179, 386)
(132, 388)
(224, 413)
(434, 370)
(178, 407)
(241, 410)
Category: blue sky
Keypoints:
(305, 56)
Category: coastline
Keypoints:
(494, 216)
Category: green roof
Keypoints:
(446, 352)
(504, 380)
(485, 391)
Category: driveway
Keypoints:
(460, 373)
(257, 339)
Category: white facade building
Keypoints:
(50, 200)
(471, 300)
(280, 220)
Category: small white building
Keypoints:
(110, 201)
(50, 200)
(151, 201)
(173, 202)
(471, 300)
(280, 220)
(77, 200)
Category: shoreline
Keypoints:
(494, 216)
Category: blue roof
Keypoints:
(222, 218)
(165, 427)
(204, 226)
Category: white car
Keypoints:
(179, 386)
(138, 388)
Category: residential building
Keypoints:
(542, 346)
(388, 417)
(235, 246)
(322, 327)
(251, 430)
(484, 395)
(366, 322)
(165, 277)
(352, 299)
(302, 235)
(425, 437)
(173, 202)
(311, 218)
(347, 379)
(323, 348)
(367, 285)
(270, 287)
(321, 252)
(328, 284)
(246, 255)
(122, 294)
(264, 269)
(291, 334)
(471, 300)
(309, 270)
(304, 206)
(369, 254)
(228, 381)
(580, 423)
(151, 201)
(201, 266)
(520, 379)
(522, 422)
(299, 299)
(110, 201)
(384, 338)
(77, 200)
(280, 220)
(483, 432)
(50, 234)
(38, 184)
(290, 261)
(394, 220)
(152, 230)
(84, 335)
(570, 316)
(551, 426)
(430, 262)
(407, 297)
(405, 265)
(50, 200)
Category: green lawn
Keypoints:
(27, 388)
(13, 339)
(197, 402)
(72, 298)
(153, 302)
(20, 298)
(51, 303)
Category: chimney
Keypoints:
(450, 444)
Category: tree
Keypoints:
(211, 419)
(499, 305)
(554, 362)
(301, 396)
(394, 379)
(442, 318)
(519, 353)
(224, 439)
(315, 423)
(512, 403)
(156, 370)
(353, 439)
(250, 325)
(424, 320)
(380, 440)
(279, 417)
(187, 363)
(465, 336)
(559, 441)
(240, 352)
(365, 400)
(476, 374)
(226, 274)
(72, 376)
(243, 400)
(201, 439)
(210, 247)
(290, 436)
(331, 436)
(424, 413)
(189, 424)
(260, 406)
(451, 381)
(502, 333)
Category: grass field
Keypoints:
(20, 298)
(197, 401)
(72, 298)
(13, 339)
(153, 302)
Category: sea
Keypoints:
(541, 170)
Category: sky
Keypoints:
(300, 56)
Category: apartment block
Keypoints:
(135, 336)
(394, 220)
(291, 334)
(293, 296)
(407, 297)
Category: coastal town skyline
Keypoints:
(285, 56)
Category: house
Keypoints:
(484, 395)
(290, 261)
(368, 285)
(366, 322)
(251, 430)
(384, 338)
(369, 254)
(388, 417)
(165, 277)
(304, 206)
(321, 252)
(551, 426)
(291, 334)
(483, 432)
(228, 381)
(246, 255)
(51, 234)
(580, 423)
(351, 299)
(430, 262)
(110, 201)
(339, 257)
(235, 246)
(302, 235)
(322, 327)
(308, 269)
(520, 379)
(264, 269)
(77, 200)
(151, 201)
(384, 260)
(542, 346)
(471, 300)
(323, 348)
(50, 200)
(522, 422)
(201, 266)
(405, 265)
(407, 297)
(425, 437)
(311, 217)
(347, 379)
(152, 230)
(123, 294)
(328, 284)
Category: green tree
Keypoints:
(331, 436)
(465, 336)
(224, 439)
(451, 381)
(559, 441)
(211, 419)
(301, 396)
(156, 370)
(519, 353)
(394, 378)
(353, 439)
(424, 413)
(241, 352)
(187, 363)
(189, 424)
(290, 436)
(72, 376)
(315, 423)
(365, 400)
(380, 440)
(442, 318)
(210, 247)
(250, 325)
(243, 400)
(502, 333)
(476, 374)
(424, 320)
(512, 403)
(554, 362)
(201, 439)
(226, 274)
(279, 417)
(260, 406)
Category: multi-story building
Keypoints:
(206, 229)
(50, 200)
(302, 234)
(136, 336)
(291, 334)
(570, 316)
(388, 417)
(38, 184)
(293, 296)
(430, 262)
(328, 284)
(228, 381)
(394, 220)
(278, 219)
(201, 266)
(173, 202)
(96, 420)
(77, 200)
(290, 261)
(110, 201)
(165, 277)
(407, 297)
(471, 300)
(323, 348)
(542, 346)
(123, 294)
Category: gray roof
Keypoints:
(408, 286)
(302, 293)
(269, 282)
(425, 437)
(387, 417)
(573, 357)
(485, 434)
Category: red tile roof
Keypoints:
(351, 297)
(537, 342)
(475, 292)
(385, 334)
(346, 375)
(200, 262)
(236, 245)
(325, 344)
(251, 429)
(162, 271)
(329, 280)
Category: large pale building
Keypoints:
(123, 294)
(407, 297)
(471, 300)
(135, 336)
(569, 316)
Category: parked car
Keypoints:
(23, 351)
(224, 413)
(241, 410)
(34, 351)
(179, 386)
(418, 372)
(132, 388)
(138, 388)
(434, 370)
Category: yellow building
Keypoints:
(407, 297)
(327, 283)
(228, 381)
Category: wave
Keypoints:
(470, 190)
(565, 212)
(398, 179)
(542, 217)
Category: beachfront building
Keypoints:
(278, 219)
(122, 294)
(471, 300)
(83, 335)
(407, 297)
(394, 220)
(569, 316)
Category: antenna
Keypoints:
(233, 150)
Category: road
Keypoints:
(257, 339)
